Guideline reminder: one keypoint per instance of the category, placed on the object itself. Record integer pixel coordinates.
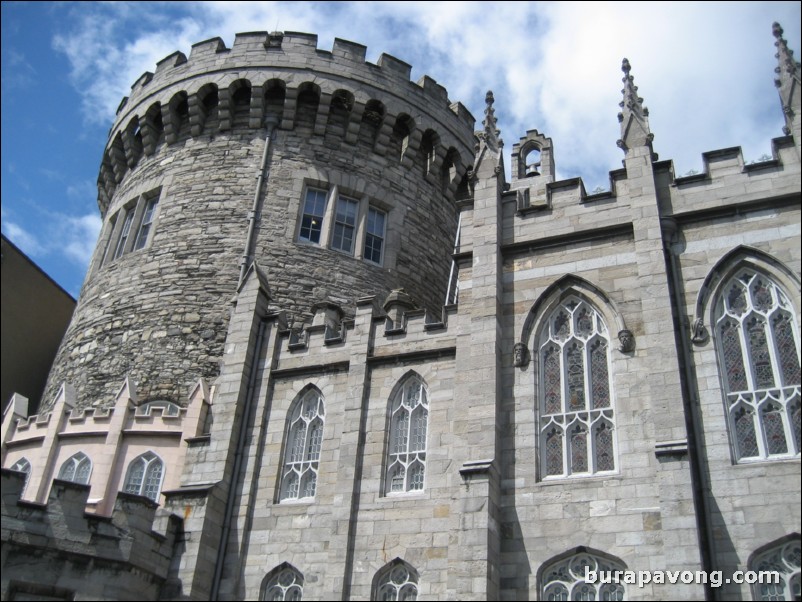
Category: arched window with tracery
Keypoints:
(302, 450)
(409, 422)
(566, 578)
(577, 417)
(24, 466)
(757, 341)
(397, 580)
(784, 559)
(76, 468)
(284, 582)
(144, 476)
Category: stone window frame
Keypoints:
(752, 409)
(131, 228)
(76, 469)
(587, 421)
(395, 579)
(782, 556)
(330, 224)
(402, 453)
(303, 444)
(23, 465)
(150, 462)
(563, 577)
(284, 582)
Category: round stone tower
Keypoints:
(337, 176)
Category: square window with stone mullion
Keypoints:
(374, 236)
(124, 234)
(312, 218)
(147, 221)
(345, 225)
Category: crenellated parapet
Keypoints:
(135, 543)
(285, 78)
(107, 440)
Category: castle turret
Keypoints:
(337, 175)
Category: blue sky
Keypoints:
(705, 71)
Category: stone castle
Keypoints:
(325, 350)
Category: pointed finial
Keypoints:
(788, 77)
(634, 117)
(491, 132)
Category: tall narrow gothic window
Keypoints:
(577, 421)
(757, 339)
(22, 465)
(396, 581)
(144, 476)
(409, 420)
(76, 469)
(284, 583)
(565, 579)
(302, 451)
(784, 559)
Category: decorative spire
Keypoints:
(634, 117)
(490, 135)
(788, 78)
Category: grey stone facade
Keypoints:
(579, 403)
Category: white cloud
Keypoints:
(23, 239)
(705, 70)
(74, 237)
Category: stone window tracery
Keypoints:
(565, 579)
(396, 581)
(577, 419)
(76, 468)
(144, 476)
(784, 559)
(303, 447)
(24, 466)
(406, 454)
(284, 583)
(757, 340)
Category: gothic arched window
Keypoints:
(302, 450)
(409, 422)
(577, 419)
(22, 465)
(144, 476)
(397, 580)
(567, 578)
(784, 559)
(757, 339)
(77, 469)
(284, 582)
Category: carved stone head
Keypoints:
(626, 340)
(520, 355)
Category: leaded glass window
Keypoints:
(566, 579)
(144, 476)
(577, 421)
(409, 420)
(284, 583)
(784, 560)
(77, 469)
(397, 581)
(303, 447)
(22, 465)
(757, 340)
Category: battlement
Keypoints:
(135, 543)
